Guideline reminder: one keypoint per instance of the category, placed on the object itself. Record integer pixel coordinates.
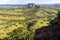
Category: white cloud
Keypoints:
(4, 1)
(29, 1)
(14, 1)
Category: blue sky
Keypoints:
(29, 1)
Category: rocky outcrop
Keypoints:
(30, 5)
(50, 32)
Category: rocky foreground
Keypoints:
(50, 32)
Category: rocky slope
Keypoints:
(50, 32)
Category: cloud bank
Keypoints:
(29, 1)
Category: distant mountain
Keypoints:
(51, 5)
(25, 5)
(56, 5)
(12, 4)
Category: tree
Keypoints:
(58, 15)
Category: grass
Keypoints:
(20, 23)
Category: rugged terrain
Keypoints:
(17, 23)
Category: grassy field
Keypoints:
(20, 23)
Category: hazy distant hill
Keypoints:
(51, 5)
(25, 5)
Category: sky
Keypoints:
(29, 1)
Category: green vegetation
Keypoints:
(20, 23)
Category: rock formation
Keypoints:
(50, 32)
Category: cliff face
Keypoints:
(50, 32)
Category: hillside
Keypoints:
(20, 23)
